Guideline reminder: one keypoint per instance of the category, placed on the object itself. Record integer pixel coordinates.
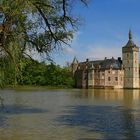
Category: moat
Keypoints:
(70, 114)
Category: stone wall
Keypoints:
(131, 66)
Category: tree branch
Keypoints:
(46, 21)
(64, 8)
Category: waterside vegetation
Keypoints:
(35, 74)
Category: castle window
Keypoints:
(109, 71)
(90, 76)
(128, 61)
(129, 68)
(116, 78)
(127, 55)
(109, 79)
(135, 55)
(85, 78)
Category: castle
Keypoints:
(114, 73)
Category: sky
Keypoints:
(104, 30)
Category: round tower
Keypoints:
(130, 57)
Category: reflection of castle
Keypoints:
(113, 94)
(110, 72)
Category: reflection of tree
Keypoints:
(1, 102)
(2, 117)
(3, 120)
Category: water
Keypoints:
(71, 114)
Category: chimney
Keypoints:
(119, 59)
(87, 60)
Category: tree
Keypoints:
(42, 25)
(34, 25)
(35, 73)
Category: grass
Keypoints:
(30, 87)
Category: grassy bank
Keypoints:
(28, 87)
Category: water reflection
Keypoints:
(112, 121)
(75, 114)
(18, 109)
(109, 94)
(3, 120)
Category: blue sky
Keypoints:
(104, 30)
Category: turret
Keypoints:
(130, 55)
(74, 65)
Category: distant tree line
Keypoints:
(37, 73)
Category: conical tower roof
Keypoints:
(130, 46)
(130, 42)
(75, 61)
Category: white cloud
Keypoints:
(100, 52)
(101, 48)
(69, 50)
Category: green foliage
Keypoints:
(35, 73)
